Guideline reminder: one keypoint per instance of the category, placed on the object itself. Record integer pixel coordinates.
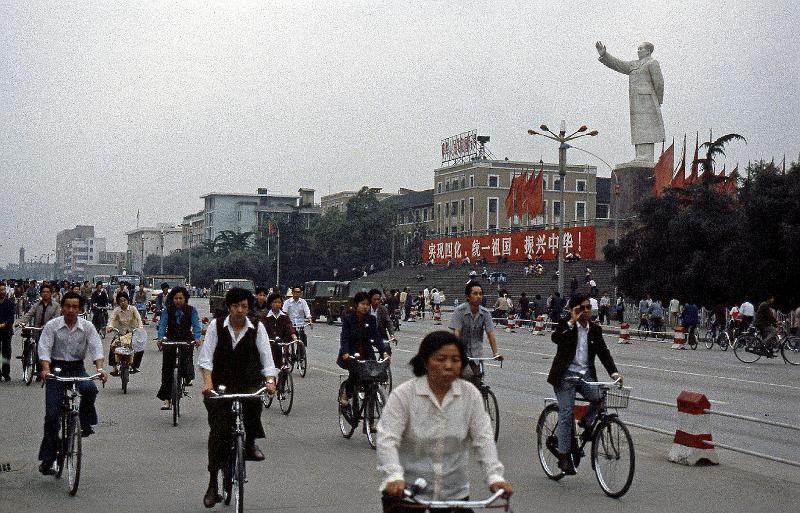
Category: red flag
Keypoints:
(679, 180)
(693, 178)
(729, 185)
(534, 203)
(510, 197)
(662, 175)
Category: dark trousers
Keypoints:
(137, 359)
(604, 317)
(5, 350)
(221, 421)
(54, 393)
(391, 505)
(168, 364)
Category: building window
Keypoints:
(452, 230)
(492, 213)
(472, 180)
(556, 211)
(425, 214)
(602, 211)
(544, 181)
(439, 188)
(494, 181)
(580, 210)
(447, 186)
(462, 208)
(580, 185)
(471, 212)
(556, 183)
(463, 183)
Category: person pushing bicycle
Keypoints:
(579, 342)
(470, 320)
(64, 344)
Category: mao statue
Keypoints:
(646, 94)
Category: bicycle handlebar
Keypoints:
(615, 383)
(73, 380)
(410, 497)
(487, 358)
(356, 356)
(175, 343)
(221, 395)
(30, 328)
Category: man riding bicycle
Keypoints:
(64, 343)
(236, 354)
(381, 314)
(579, 342)
(470, 320)
(297, 310)
(99, 301)
(41, 313)
(766, 322)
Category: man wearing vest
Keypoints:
(236, 353)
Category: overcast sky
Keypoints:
(123, 105)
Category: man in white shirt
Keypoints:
(674, 311)
(235, 354)
(298, 311)
(747, 312)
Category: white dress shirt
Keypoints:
(60, 342)
(418, 437)
(206, 358)
(747, 309)
(580, 363)
(298, 311)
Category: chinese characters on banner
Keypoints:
(514, 246)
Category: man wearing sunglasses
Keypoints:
(578, 341)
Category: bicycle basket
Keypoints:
(618, 397)
(371, 370)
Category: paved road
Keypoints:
(138, 462)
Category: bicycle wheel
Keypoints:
(613, 458)
(63, 446)
(302, 361)
(490, 403)
(285, 392)
(73, 456)
(387, 385)
(176, 396)
(346, 423)
(790, 350)
(724, 340)
(238, 477)
(705, 336)
(747, 348)
(693, 340)
(547, 442)
(124, 374)
(374, 411)
(28, 366)
(266, 399)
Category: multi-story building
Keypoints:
(164, 240)
(193, 227)
(241, 213)
(413, 211)
(75, 248)
(339, 200)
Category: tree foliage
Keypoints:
(698, 243)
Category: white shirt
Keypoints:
(206, 358)
(418, 437)
(605, 301)
(435, 298)
(60, 342)
(674, 306)
(593, 302)
(580, 363)
(298, 311)
(747, 309)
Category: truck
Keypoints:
(341, 303)
(216, 296)
(317, 294)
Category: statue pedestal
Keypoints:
(636, 184)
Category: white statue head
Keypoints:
(645, 50)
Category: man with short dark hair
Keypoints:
(41, 313)
(469, 322)
(6, 330)
(236, 353)
(298, 311)
(766, 322)
(381, 314)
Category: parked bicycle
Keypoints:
(178, 383)
(368, 400)
(612, 455)
(489, 399)
(751, 346)
(68, 451)
(411, 500)
(236, 476)
(30, 354)
(285, 384)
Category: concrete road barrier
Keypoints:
(689, 447)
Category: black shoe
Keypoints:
(114, 373)
(87, 431)
(134, 370)
(212, 497)
(253, 453)
(565, 464)
(586, 435)
(46, 468)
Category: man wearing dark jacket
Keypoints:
(6, 330)
(578, 341)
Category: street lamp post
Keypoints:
(562, 139)
(161, 265)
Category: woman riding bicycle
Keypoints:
(125, 319)
(578, 341)
(429, 425)
(359, 335)
(277, 324)
(179, 322)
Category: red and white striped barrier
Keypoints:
(694, 429)
(678, 340)
(511, 324)
(539, 326)
(624, 335)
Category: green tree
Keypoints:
(715, 149)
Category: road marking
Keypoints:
(327, 371)
(403, 350)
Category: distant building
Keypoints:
(164, 239)
(413, 214)
(193, 227)
(339, 200)
(75, 248)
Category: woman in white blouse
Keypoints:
(429, 425)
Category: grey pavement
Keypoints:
(139, 462)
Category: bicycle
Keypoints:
(369, 392)
(714, 334)
(299, 355)
(411, 500)
(30, 353)
(123, 356)
(68, 452)
(489, 399)
(235, 476)
(178, 384)
(751, 346)
(285, 383)
(100, 319)
(612, 455)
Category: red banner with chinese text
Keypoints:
(514, 246)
